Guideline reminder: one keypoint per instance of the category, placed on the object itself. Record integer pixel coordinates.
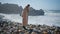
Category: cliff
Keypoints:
(15, 9)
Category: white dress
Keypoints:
(25, 16)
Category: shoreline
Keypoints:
(18, 27)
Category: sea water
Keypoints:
(48, 18)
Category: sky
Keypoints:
(36, 4)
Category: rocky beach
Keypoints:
(8, 27)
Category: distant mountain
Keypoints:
(55, 11)
(9, 8)
(34, 12)
(15, 9)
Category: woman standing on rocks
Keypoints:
(25, 15)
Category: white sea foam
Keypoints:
(48, 18)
